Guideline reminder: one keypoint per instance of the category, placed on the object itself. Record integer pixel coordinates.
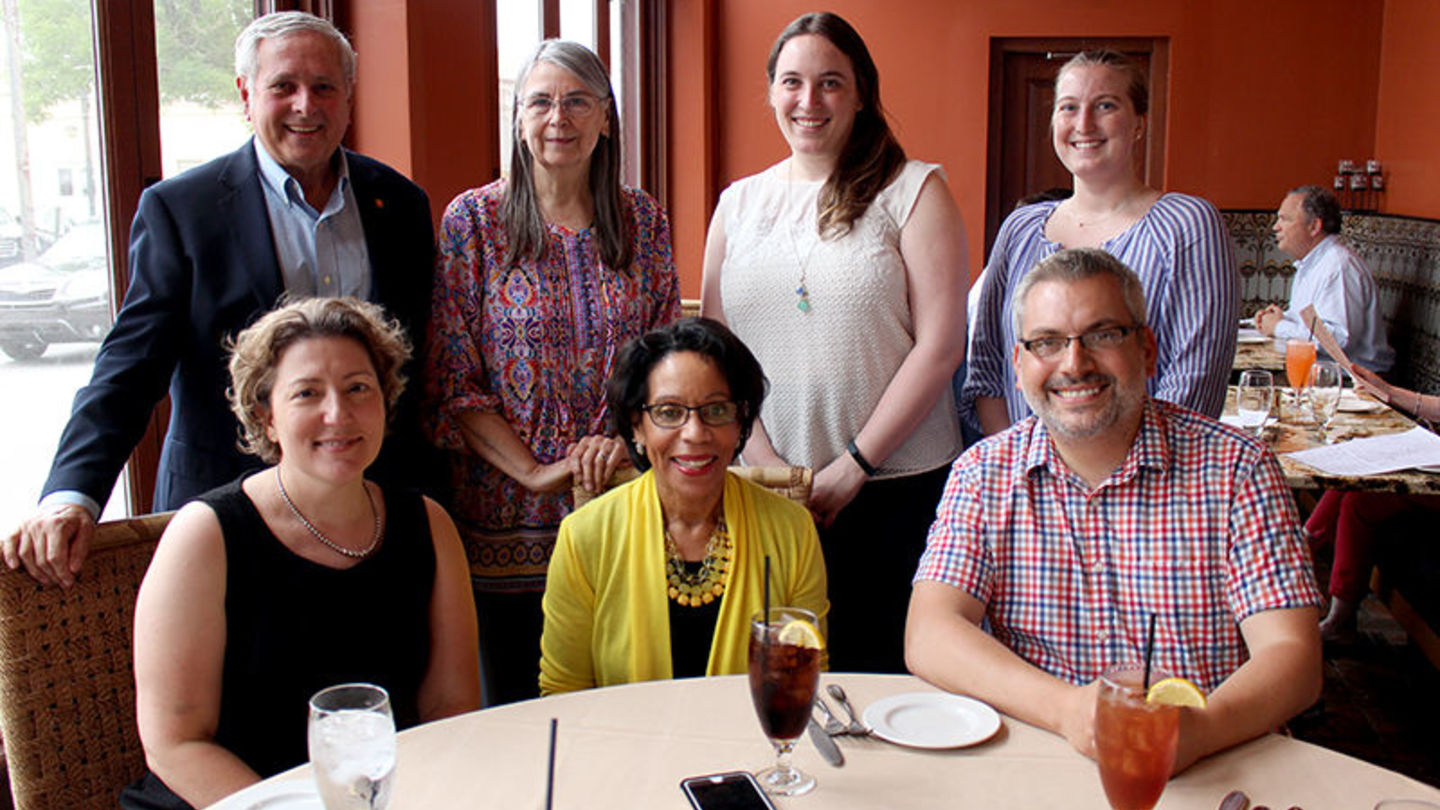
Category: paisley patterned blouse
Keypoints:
(535, 344)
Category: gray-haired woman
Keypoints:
(541, 277)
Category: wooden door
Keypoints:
(1022, 92)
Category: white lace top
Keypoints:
(827, 366)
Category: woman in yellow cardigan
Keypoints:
(659, 578)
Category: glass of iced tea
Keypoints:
(1134, 740)
(785, 648)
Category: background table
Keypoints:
(1297, 431)
(629, 747)
(1250, 355)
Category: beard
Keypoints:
(1125, 401)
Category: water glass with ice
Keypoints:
(352, 746)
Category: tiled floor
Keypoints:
(1381, 701)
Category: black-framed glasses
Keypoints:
(1096, 340)
(672, 415)
(575, 105)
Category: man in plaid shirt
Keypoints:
(1063, 535)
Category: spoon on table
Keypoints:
(856, 727)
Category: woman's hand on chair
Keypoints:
(594, 459)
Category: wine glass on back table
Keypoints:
(1323, 390)
(352, 746)
(1254, 398)
(785, 648)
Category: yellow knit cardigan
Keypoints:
(607, 617)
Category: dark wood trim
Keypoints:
(602, 31)
(654, 112)
(1158, 49)
(130, 140)
(549, 19)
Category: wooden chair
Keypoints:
(792, 482)
(67, 684)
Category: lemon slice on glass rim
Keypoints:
(1176, 692)
(800, 633)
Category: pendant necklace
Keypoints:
(358, 554)
(801, 289)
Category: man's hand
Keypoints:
(1077, 721)
(51, 544)
(1267, 318)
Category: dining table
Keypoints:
(1292, 428)
(630, 746)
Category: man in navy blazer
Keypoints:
(289, 213)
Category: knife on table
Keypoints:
(825, 745)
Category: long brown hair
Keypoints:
(871, 157)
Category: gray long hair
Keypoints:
(524, 224)
(284, 24)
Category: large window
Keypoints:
(72, 162)
(54, 263)
(608, 27)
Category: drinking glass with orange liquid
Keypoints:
(1135, 740)
(1299, 356)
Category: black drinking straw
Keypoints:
(550, 774)
(1149, 650)
(766, 598)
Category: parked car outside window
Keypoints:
(61, 297)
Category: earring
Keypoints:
(639, 448)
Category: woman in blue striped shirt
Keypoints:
(1176, 243)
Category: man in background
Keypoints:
(1329, 276)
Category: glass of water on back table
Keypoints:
(352, 746)
(1254, 398)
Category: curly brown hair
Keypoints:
(255, 355)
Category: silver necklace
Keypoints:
(319, 535)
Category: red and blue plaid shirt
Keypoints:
(1196, 526)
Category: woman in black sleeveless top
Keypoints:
(300, 576)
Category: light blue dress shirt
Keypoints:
(321, 253)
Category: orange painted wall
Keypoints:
(426, 91)
(1263, 96)
(1408, 114)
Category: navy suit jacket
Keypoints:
(203, 267)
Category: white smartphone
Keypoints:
(736, 790)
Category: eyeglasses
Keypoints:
(577, 105)
(671, 415)
(1096, 340)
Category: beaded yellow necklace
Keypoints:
(707, 584)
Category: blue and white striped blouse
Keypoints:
(1182, 253)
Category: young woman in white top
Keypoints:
(842, 268)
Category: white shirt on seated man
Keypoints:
(1329, 276)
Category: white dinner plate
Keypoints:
(1252, 336)
(289, 794)
(931, 720)
(1350, 402)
